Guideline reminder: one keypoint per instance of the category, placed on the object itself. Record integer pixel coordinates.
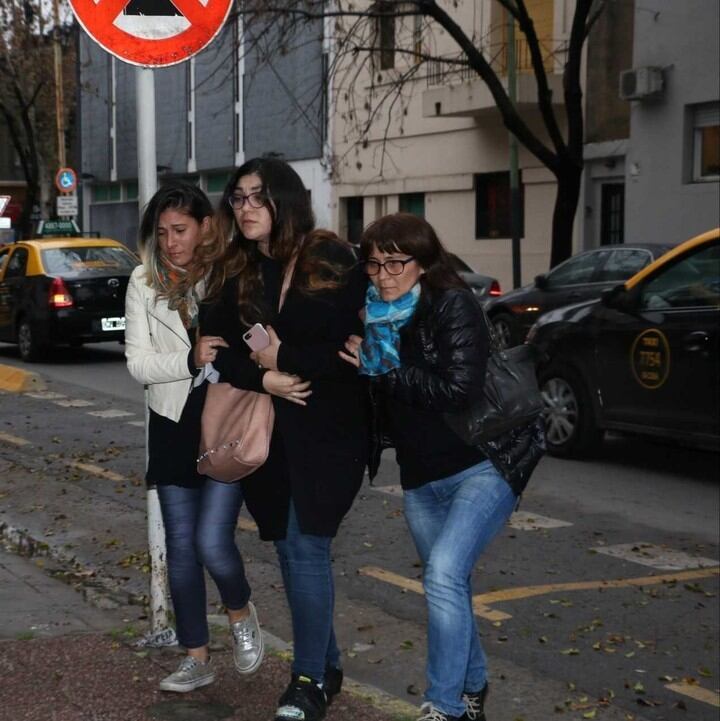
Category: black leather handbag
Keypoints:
(510, 398)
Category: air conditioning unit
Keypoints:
(640, 83)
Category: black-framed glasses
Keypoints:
(254, 200)
(394, 266)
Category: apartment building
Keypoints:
(230, 103)
(442, 150)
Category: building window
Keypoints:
(354, 219)
(412, 203)
(107, 193)
(706, 142)
(386, 34)
(492, 206)
(131, 190)
(216, 182)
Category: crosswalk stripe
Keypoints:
(698, 693)
(110, 413)
(94, 470)
(74, 403)
(660, 557)
(527, 521)
(46, 395)
(15, 440)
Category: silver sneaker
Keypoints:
(190, 674)
(247, 641)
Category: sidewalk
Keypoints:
(64, 660)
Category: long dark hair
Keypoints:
(410, 234)
(293, 232)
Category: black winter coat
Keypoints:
(318, 452)
(444, 352)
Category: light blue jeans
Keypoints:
(452, 521)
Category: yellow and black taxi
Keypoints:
(645, 358)
(63, 290)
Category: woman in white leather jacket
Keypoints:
(179, 251)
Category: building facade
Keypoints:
(232, 102)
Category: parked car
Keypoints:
(483, 286)
(63, 290)
(644, 358)
(583, 277)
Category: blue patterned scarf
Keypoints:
(380, 349)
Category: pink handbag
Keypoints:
(237, 424)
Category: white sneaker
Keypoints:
(247, 642)
(190, 674)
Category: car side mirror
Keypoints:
(617, 298)
(541, 282)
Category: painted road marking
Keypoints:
(526, 521)
(76, 403)
(110, 413)
(696, 692)
(245, 524)
(416, 587)
(482, 601)
(15, 440)
(138, 424)
(94, 470)
(392, 490)
(660, 557)
(46, 395)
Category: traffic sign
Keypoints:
(4, 200)
(67, 206)
(152, 33)
(66, 180)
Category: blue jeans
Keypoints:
(307, 575)
(452, 521)
(200, 533)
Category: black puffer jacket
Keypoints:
(444, 350)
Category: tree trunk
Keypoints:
(26, 223)
(566, 201)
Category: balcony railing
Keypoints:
(554, 55)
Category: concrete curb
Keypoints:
(18, 380)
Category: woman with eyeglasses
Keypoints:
(319, 447)
(425, 349)
(180, 253)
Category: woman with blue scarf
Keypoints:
(425, 350)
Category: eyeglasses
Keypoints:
(393, 267)
(254, 200)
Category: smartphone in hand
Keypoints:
(257, 337)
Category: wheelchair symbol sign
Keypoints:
(66, 180)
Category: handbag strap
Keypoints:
(495, 346)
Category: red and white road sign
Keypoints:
(152, 33)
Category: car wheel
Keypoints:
(570, 429)
(506, 330)
(28, 345)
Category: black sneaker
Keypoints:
(303, 700)
(475, 705)
(332, 683)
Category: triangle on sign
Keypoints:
(4, 200)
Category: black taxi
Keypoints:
(63, 290)
(645, 358)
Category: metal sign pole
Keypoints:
(161, 634)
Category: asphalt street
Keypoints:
(599, 600)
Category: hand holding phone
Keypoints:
(257, 337)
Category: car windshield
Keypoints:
(88, 260)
